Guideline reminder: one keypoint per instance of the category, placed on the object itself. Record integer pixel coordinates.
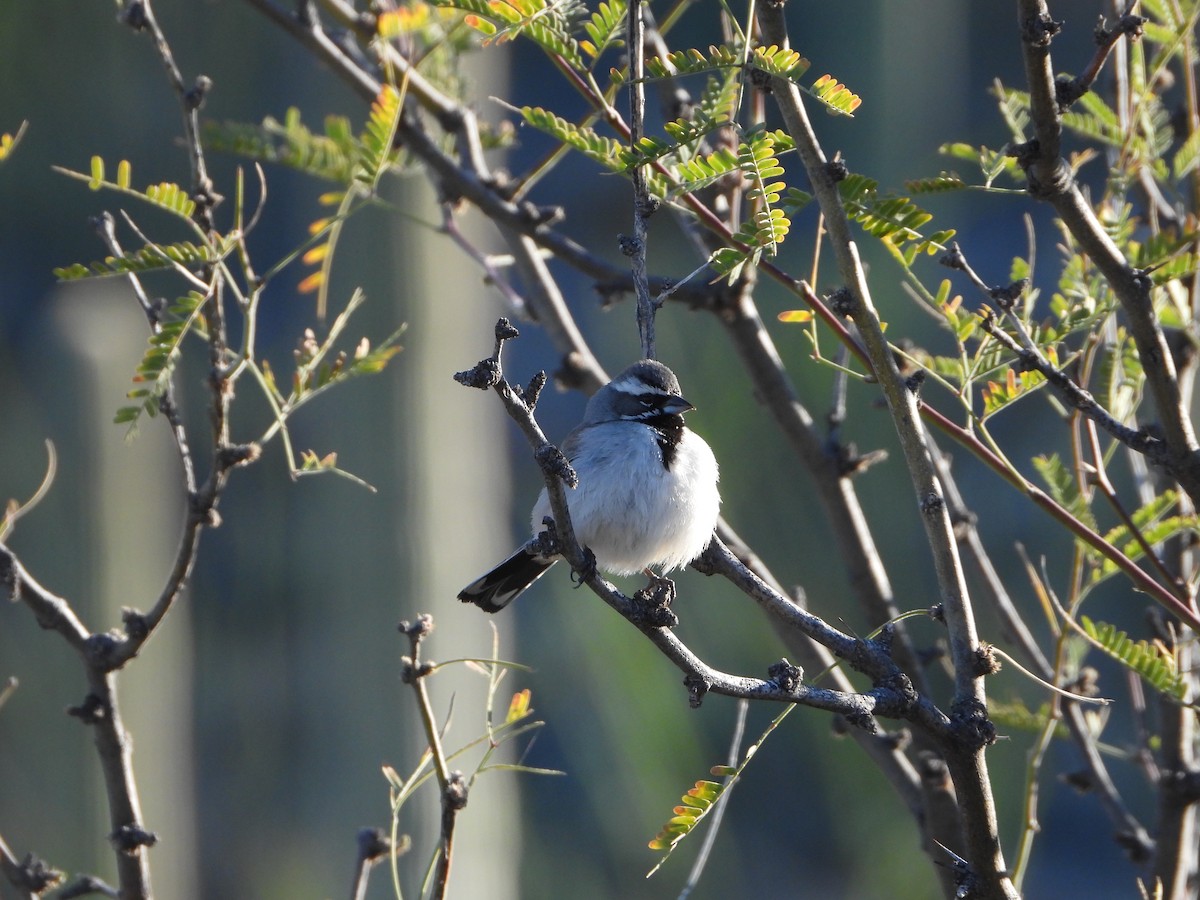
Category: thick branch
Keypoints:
(966, 760)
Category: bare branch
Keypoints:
(1050, 179)
(453, 784)
(643, 205)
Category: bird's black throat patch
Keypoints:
(668, 430)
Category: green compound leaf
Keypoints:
(604, 28)
(166, 195)
(1152, 661)
(774, 61)
(608, 152)
(895, 220)
(330, 156)
(1064, 488)
(148, 259)
(548, 23)
(153, 374)
(702, 798)
(377, 141)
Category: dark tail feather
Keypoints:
(507, 581)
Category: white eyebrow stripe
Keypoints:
(631, 385)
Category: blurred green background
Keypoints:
(263, 710)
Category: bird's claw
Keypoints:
(587, 571)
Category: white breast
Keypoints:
(629, 510)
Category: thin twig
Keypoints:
(373, 846)
(643, 207)
(452, 783)
(105, 226)
(714, 824)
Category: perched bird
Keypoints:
(647, 493)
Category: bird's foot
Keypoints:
(587, 571)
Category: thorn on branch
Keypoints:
(483, 375)
(1143, 279)
(759, 78)
(932, 769)
(456, 791)
(1080, 781)
(411, 672)
(914, 382)
(1136, 846)
(850, 462)
(1067, 90)
(419, 630)
(652, 604)
(966, 882)
(103, 650)
(970, 725)
(789, 677)
(91, 711)
(841, 302)
(1007, 297)
(194, 97)
(134, 15)
(532, 391)
(233, 455)
(488, 373)
(629, 246)
(1039, 31)
(1128, 24)
(986, 662)
(697, 686)
(1026, 153)
(36, 876)
(137, 627)
(837, 170)
(1185, 784)
(552, 462)
(130, 839)
(649, 206)
(373, 844)
(953, 258)
(932, 504)
(864, 721)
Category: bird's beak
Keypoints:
(675, 405)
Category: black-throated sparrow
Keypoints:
(647, 493)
